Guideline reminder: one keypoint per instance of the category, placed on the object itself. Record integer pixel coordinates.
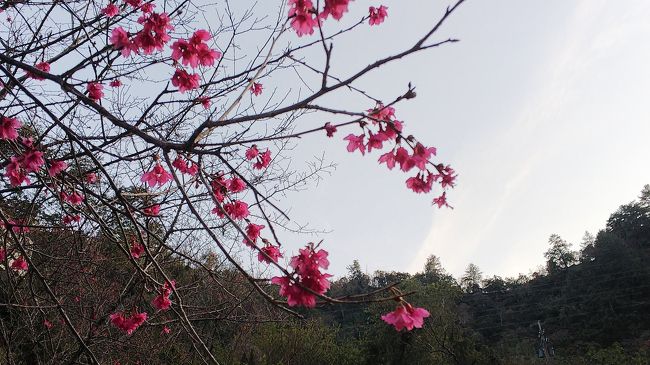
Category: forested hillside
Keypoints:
(593, 305)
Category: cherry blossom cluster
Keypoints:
(162, 301)
(305, 17)
(153, 36)
(383, 127)
(128, 324)
(307, 280)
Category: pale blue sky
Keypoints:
(542, 108)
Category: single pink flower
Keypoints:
(134, 3)
(73, 199)
(442, 201)
(157, 176)
(69, 219)
(9, 128)
(42, 66)
(115, 83)
(19, 264)
(166, 330)
(153, 210)
(237, 209)
(273, 253)
(303, 17)
(252, 233)
(136, 249)
(161, 302)
(185, 81)
(111, 10)
(91, 178)
(147, 8)
(406, 317)
(388, 158)
(120, 40)
(205, 101)
(235, 185)
(377, 15)
(94, 90)
(330, 129)
(256, 89)
(335, 8)
(356, 142)
(32, 160)
(56, 167)
(16, 172)
(419, 184)
(402, 157)
(252, 152)
(47, 324)
(375, 141)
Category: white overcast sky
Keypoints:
(542, 108)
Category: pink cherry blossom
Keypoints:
(147, 8)
(235, 185)
(128, 324)
(32, 160)
(252, 152)
(406, 317)
(307, 267)
(166, 330)
(272, 251)
(330, 129)
(205, 101)
(136, 249)
(442, 201)
(111, 10)
(56, 167)
(9, 128)
(256, 89)
(134, 3)
(237, 209)
(185, 81)
(43, 66)
(16, 172)
(252, 233)
(381, 113)
(115, 83)
(375, 141)
(19, 264)
(195, 51)
(335, 8)
(153, 35)
(421, 155)
(377, 15)
(389, 159)
(263, 160)
(94, 90)
(419, 184)
(120, 40)
(157, 176)
(73, 199)
(91, 178)
(69, 219)
(303, 17)
(404, 159)
(356, 143)
(153, 210)
(47, 324)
